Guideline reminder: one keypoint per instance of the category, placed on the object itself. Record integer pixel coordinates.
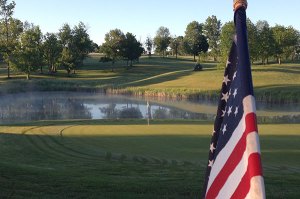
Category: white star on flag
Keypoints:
(213, 132)
(227, 64)
(212, 148)
(235, 92)
(226, 80)
(211, 162)
(234, 75)
(236, 111)
(224, 112)
(229, 111)
(224, 129)
(225, 96)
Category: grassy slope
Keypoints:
(161, 75)
(163, 160)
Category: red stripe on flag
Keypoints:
(234, 158)
(254, 169)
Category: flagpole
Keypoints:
(239, 3)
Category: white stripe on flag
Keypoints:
(249, 104)
(257, 188)
(235, 177)
(249, 107)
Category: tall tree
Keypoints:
(266, 47)
(149, 45)
(68, 59)
(227, 36)
(278, 33)
(76, 46)
(112, 47)
(6, 12)
(69, 56)
(28, 55)
(65, 35)
(253, 40)
(82, 41)
(131, 48)
(182, 45)
(286, 38)
(292, 38)
(15, 29)
(175, 43)
(195, 40)
(52, 51)
(162, 40)
(212, 30)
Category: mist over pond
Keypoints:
(27, 107)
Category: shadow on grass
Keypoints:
(45, 165)
(290, 69)
(153, 71)
(107, 122)
(280, 90)
(47, 169)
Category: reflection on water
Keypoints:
(26, 107)
(41, 106)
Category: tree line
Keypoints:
(214, 40)
(23, 47)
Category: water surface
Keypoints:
(27, 107)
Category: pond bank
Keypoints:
(289, 95)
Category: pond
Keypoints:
(27, 107)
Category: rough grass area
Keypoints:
(160, 77)
(128, 159)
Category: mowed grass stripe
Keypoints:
(163, 160)
(86, 129)
(93, 141)
(55, 144)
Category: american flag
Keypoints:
(234, 167)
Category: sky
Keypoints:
(143, 18)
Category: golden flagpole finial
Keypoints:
(239, 3)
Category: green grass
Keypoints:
(160, 77)
(128, 159)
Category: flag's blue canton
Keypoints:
(234, 90)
